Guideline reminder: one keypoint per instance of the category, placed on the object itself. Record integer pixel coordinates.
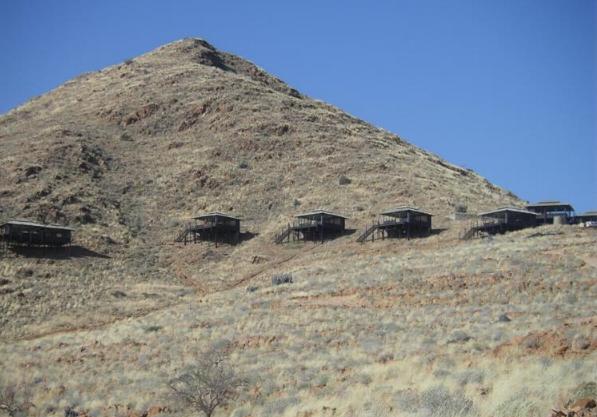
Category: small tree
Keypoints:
(209, 384)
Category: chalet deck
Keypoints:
(318, 225)
(547, 210)
(400, 222)
(502, 220)
(31, 234)
(214, 227)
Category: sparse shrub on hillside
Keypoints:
(470, 376)
(434, 402)
(210, 383)
(278, 406)
(458, 336)
(520, 404)
(439, 402)
(584, 390)
(135, 220)
(285, 278)
(153, 329)
(12, 403)
(460, 208)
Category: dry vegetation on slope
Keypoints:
(127, 154)
(392, 328)
(384, 329)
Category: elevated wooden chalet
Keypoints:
(547, 210)
(33, 234)
(214, 227)
(589, 216)
(502, 220)
(400, 222)
(317, 225)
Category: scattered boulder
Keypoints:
(344, 180)
(32, 171)
(118, 294)
(504, 318)
(583, 404)
(153, 329)
(583, 390)
(581, 343)
(140, 114)
(532, 342)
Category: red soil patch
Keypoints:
(555, 343)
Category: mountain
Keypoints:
(128, 154)
(137, 148)
(435, 326)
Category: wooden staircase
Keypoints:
(369, 230)
(477, 228)
(183, 236)
(470, 233)
(281, 237)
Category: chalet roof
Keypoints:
(402, 209)
(215, 214)
(551, 204)
(317, 213)
(505, 209)
(35, 224)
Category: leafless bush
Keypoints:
(208, 384)
(285, 278)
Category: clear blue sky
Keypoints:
(505, 87)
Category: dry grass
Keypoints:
(372, 329)
(384, 329)
(127, 154)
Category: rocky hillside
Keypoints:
(131, 151)
(435, 327)
(127, 154)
